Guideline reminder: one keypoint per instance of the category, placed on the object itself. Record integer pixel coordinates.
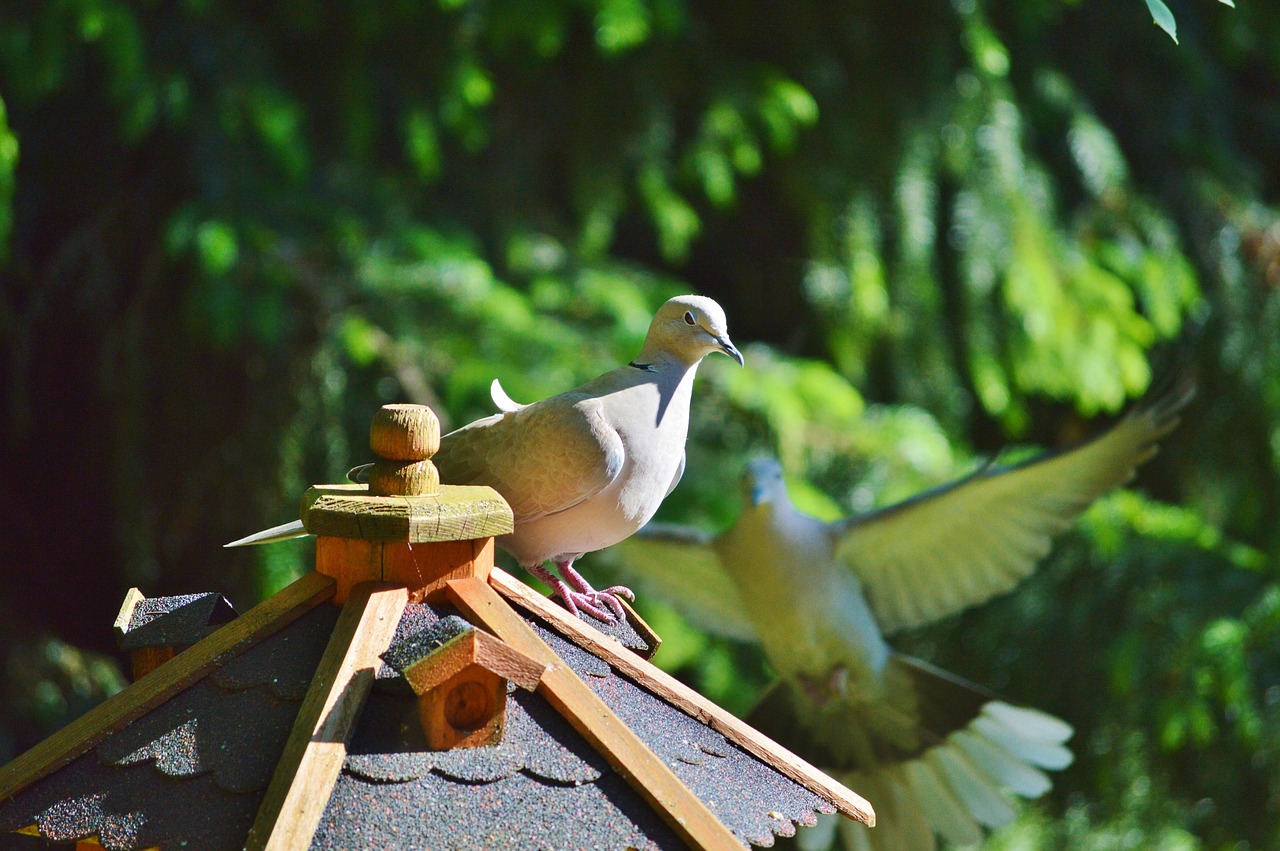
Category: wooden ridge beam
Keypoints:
(598, 724)
(313, 755)
(669, 688)
(165, 681)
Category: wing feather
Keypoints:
(965, 542)
(543, 458)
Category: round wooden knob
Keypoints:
(403, 478)
(404, 433)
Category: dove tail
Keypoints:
(960, 784)
(976, 751)
(283, 532)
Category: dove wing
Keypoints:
(679, 566)
(543, 458)
(965, 542)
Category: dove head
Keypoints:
(688, 328)
(763, 484)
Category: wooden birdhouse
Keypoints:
(407, 693)
(153, 630)
(460, 675)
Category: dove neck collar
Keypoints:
(643, 367)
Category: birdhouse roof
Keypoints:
(194, 752)
(451, 646)
(169, 621)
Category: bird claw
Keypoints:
(579, 602)
(601, 605)
(591, 601)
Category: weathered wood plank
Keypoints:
(474, 647)
(425, 568)
(457, 512)
(144, 660)
(642, 628)
(164, 682)
(597, 723)
(313, 755)
(669, 688)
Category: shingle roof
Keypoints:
(194, 768)
(551, 788)
(193, 771)
(169, 621)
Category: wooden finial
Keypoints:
(404, 437)
(372, 532)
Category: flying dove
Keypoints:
(585, 469)
(936, 753)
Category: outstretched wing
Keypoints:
(679, 566)
(963, 543)
(543, 458)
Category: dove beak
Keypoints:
(759, 494)
(730, 350)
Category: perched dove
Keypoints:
(585, 469)
(934, 752)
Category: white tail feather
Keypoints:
(971, 786)
(500, 398)
(1000, 765)
(1042, 754)
(946, 814)
(283, 532)
(1031, 724)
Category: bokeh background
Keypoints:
(940, 230)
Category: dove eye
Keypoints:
(688, 318)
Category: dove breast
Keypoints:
(581, 470)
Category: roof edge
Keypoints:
(664, 685)
(629, 755)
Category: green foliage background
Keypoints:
(229, 231)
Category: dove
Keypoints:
(584, 469)
(937, 754)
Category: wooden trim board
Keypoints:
(591, 717)
(313, 755)
(165, 681)
(669, 688)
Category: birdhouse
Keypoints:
(460, 675)
(407, 693)
(153, 630)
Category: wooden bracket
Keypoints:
(596, 722)
(680, 695)
(313, 755)
(422, 568)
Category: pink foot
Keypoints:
(588, 601)
(595, 599)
